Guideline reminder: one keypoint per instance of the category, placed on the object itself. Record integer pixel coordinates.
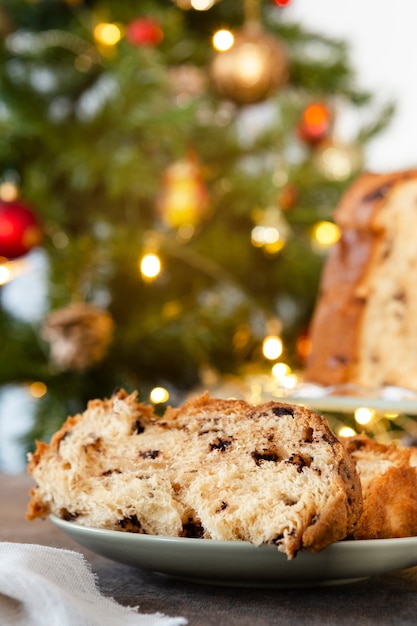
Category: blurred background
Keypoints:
(381, 46)
(168, 174)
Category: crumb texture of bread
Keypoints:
(272, 473)
(363, 329)
(388, 476)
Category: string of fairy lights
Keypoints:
(270, 229)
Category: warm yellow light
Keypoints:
(8, 191)
(223, 40)
(391, 416)
(346, 431)
(107, 34)
(280, 369)
(272, 347)
(289, 382)
(202, 5)
(268, 237)
(5, 274)
(159, 395)
(257, 236)
(11, 269)
(150, 266)
(363, 415)
(326, 233)
(250, 63)
(37, 389)
(337, 161)
(262, 235)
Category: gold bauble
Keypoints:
(184, 197)
(252, 69)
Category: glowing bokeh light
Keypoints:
(223, 40)
(159, 395)
(272, 347)
(107, 34)
(150, 266)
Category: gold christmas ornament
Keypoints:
(253, 68)
(79, 335)
(184, 198)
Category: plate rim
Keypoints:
(344, 544)
(346, 404)
(231, 563)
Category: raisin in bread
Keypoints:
(388, 476)
(218, 469)
(363, 329)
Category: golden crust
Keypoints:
(337, 330)
(389, 486)
(36, 507)
(363, 446)
(390, 508)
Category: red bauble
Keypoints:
(144, 32)
(315, 124)
(19, 229)
(282, 3)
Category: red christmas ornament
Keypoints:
(19, 229)
(315, 123)
(144, 32)
(282, 3)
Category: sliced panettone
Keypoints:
(217, 469)
(388, 476)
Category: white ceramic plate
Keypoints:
(239, 563)
(348, 404)
(343, 398)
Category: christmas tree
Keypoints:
(178, 163)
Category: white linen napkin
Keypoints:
(42, 586)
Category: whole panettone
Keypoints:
(216, 469)
(364, 328)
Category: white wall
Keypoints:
(383, 39)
